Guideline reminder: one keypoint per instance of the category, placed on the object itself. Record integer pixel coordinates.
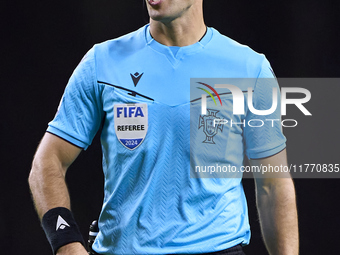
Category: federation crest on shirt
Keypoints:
(131, 124)
(209, 128)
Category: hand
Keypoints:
(72, 249)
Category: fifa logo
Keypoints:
(131, 124)
(129, 112)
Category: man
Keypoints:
(136, 89)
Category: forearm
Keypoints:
(49, 191)
(278, 216)
(48, 186)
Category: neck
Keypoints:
(182, 31)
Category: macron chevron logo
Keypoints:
(61, 223)
(136, 77)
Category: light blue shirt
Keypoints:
(137, 92)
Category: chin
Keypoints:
(160, 18)
(156, 16)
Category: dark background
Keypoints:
(43, 41)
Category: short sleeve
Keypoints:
(263, 133)
(80, 113)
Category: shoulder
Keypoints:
(115, 56)
(229, 46)
(125, 44)
(237, 53)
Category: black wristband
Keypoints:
(60, 228)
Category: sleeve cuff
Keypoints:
(266, 153)
(67, 137)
